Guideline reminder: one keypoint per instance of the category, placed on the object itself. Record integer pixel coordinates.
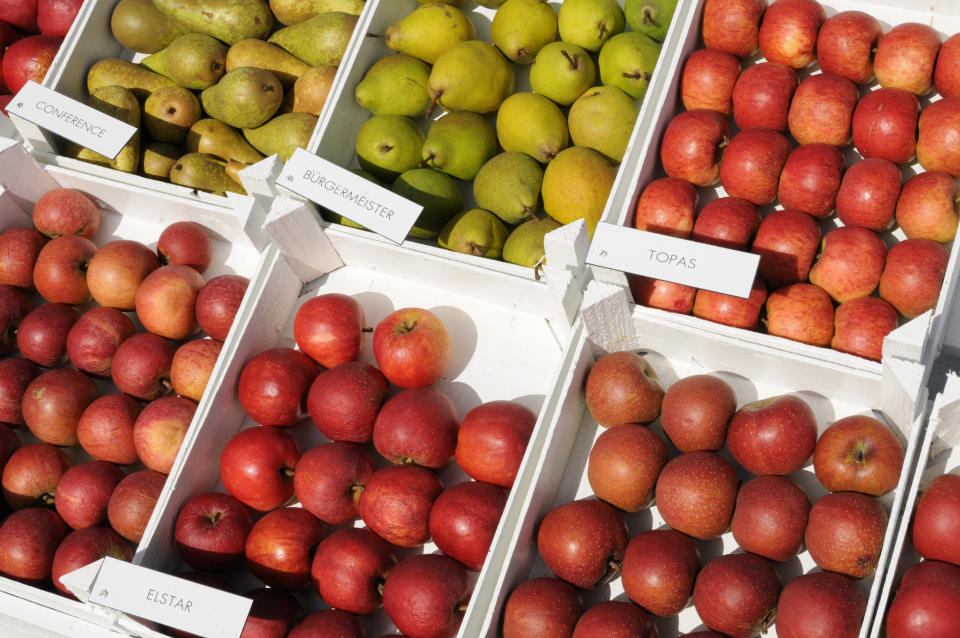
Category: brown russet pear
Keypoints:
(217, 138)
(520, 28)
(603, 118)
(321, 39)
(263, 55)
(169, 113)
(243, 98)
(395, 85)
(294, 11)
(283, 134)
(531, 123)
(141, 27)
(472, 76)
(203, 172)
(311, 89)
(118, 102)
(576, 185)
(195, 61)
(116, 71)
(429, 31)
(474, 232)
(227, 20)
(157, 158)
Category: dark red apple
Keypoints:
(927, 604)
(662, 294)
(84, 546)
(936, 520)
(28, 540)
(349, 567)
(928, 206)
(160, 429)
(53, 403)
(464, 519)
(66, 211)
(117, 269)
(418, 425)
(218, 302)
(707, 80)
(15, 375)
(211, 531)
(257, 467)
(328, 480)
(28, 59)
(906, 55)
(696, 411)
(845, 45)
(811, 178)
(658, 571)
(615, 619)
(329, 329)
(42, 334)
(787, 241)
(623, 466)
(752, 163)
(788, 31)
(776, 435)
(133, 501)
(541, 607)
(666, 206)
(946, 73)
(820, 605)
(858, 454)
(770, 517)
(729, 222)
(736, 594)
(762, 94)
(622, 388)
(279, 547)
(850, 263)
(105, 429)
(730, 310)
(885, 125)
(84, 491)
(938, 136)
(141, 366)
(9, 443)
(343, 402)
(801, 312)
(732, 25)
(412, 347)
(845, 533)
(426, 595)
(95, 337)
(859, 326)
(328, 622)
(20, 13)
(192, 366)
(54, 17)
(583, 542)
(31, 474)
(14, 308)
(185, 243)
(396, 501)
(166, 301)
(272, 615)
(822, 109)
(19, 248)
(492, 441)
(912, 276)
(274, 384)
(693, 145)
(60, 272)
(696, 493)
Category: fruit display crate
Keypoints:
(126, 213)
(645, 166)
(674, 351)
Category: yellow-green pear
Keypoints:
(157, 158)
(436, 192)
(650, 17)
(531, 123)
(520, 28)
(459, 143)
(214, 137)
(589, 23)
(195, 61)
(243, 98)
(472, 76)
(429, 31)
(388, 145)
(562, 71)
(524, 245)
(321, 39)
(227, 20)
(311, 89)
(141, 27)
(115, 71)
(264, 55)
(283, 134)
(627, 61)
(576, 185)
(169, 113)
(508, 185)
(203, 172)
(294, 11)
(603, 118)
(118, 102)
(474, 232)
(395, 85)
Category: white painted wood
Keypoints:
(293, 226)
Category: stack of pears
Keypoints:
(224, 83)
(497, 168)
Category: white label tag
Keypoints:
(360, 200)
(166, 599)
(682, 261)
(71, 119)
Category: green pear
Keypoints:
(388, 145)
(650, 17)
(283, 134)
(121, 103)
(524, 245)
(395, 85)
(311, 89)
(337, 218)
(562, 72)
(195, 61)
(157, 158)
(603, 118)
(627, 61)
(508, 185)
(459, 143)
(227, 20)
(589, 23)
(243, 98)
(474, 232)
(214, 137)
(263, 55)
(576, 185)
(115, 71)
(436, 192)
(169, 113)
(141, 27)
(321, 39)
(294, 11)
(429, 31)
(530, 123)
(472, 76)
(203, 172)
(520, 28)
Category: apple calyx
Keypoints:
(214, 518)
(858, 454)
(406, 327)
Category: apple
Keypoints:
(736, 594)
(66, 211)
(15, 375)
(83, 493)
(946, 73)
(936, 521)
(60, 271)
(787, 241)
(622, 388)
(329, 329)
(822, 109)
(105, 429)
(770, 517)
(160, 429)
(912, 275)
(426, 595)
(623, 466)
(19, 248)
(662, 294)
(218, 302)
(820, 605)
(696, 410)
(541, 607)
(272, 615)
(141, 366)
(906, 55)
(418, 425)
(658, 570)
(28, 540)
(211, 531)
(707, 80)
(93, 340)
(788, 31)
(762, 94)
(8, 35)
(117, 269)
(412, 347)
(801, 312)
(464, 519)
(811, 178)
(14, 307)
(185, 243)
(257, 467)
(328, 622)
(583, 542)
(274, 384)
(845, 533)
(929, 206)
(850, 263)
(858, 453)
(615, 619)
(53, 403)
(666, 206)
(939, 133)
(133, 501)
(396, 501)
(492, 441)
(693, 144)
(729, 222)
(54, 17)
(42, 334)
(927, 604)
(845, 45)
(885, 125)
(343, 402)
(752, 163)
(859, 326)
(9, 443)
(31, 474)
(84, 546)
(329, 478)
(28, 59)
(192, 365)
(279, 547)
(20, 13)
(732, 25)
(166, 301)
(696, 493)
(349, 567)
(730, 310)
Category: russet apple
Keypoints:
(693, 145)
(66, 211)
(788, 31)
(32, 473)
(117, 269)
(274, 384)
(859, 326)
(662, 294)
(946, 73)
(412, 347)
(19, 248)
(707, 80)
(845, 45)
(822, 109)
(801, 312)
(820, 604)
(257, 467)
(464, 519)
(885, 125)
(426, 595)
(858, 453)
(329, 478)
(936, 520)
(28, 59)
(541, 607)
(218, 302)
(658, 571)
(850, 263)
(787, 241)
(938, 138)
(329, 329)
(185, 243)
(732, 25)
(15, 375)
(105, 429)
(192, 365)
(845, 533)
(84, 491)
(166, 301)
(84, 546)
(583, 542)
(343, 402)
(906, 55)
(492, 441)
(141, 366)
(53, 403)
(912, 276)
(28, 540)
(752, 163)
(696, 410)
(770, 517)
(94, 338)
(60, 271)
(621, 388)
(349, 567)
(696, 492)
(396, 501)
(730, 310)
(929, 206)
(776, 435)
(623, 466)
(666, 206)
(927, 604)
(811, 178)
(615, 619)
(133, 501)
(417, 425)
(762, 94)
(729, 222)
(211, 531)
(160, 429)
(279, 548)
(736, 594)
(42, 332)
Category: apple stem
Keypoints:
(380, 580)
(462, 607)
(47, 499)
(767, 621)
(613, 570)
(167, 387)
(287, 473)
(366, 329)
(356, 491)
(406, 460)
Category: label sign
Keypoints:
(71, 119)
(166, 599)
(682, 261)
(359, 200)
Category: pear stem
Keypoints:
(573, 63)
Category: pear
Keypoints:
(650, 17)
(115, 71)
(576, 185)
(141, 27)
(509, 186)
(195, 61)
(472, 76)
(524, 245)
(388, 145)
(532, 124)
(490, 4)
(214, 137)
(455, 3)
(602, 119)
(589, 23)
(283, 134)
(474, 232)
(337, 218)
(436, 192)
(263, 55)
(169, 113)
(429, 31)
(227, 20)
(232, 168)
(243, 98)
(157, 158)
(321, 39)
(459, 143)
(203, 172)
(119, 102)
(395, 85)
(311, 89)
(294, 11)
(627, 60)
(562, 72)
(520, 28)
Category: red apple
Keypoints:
(583, 542)
(845, 45)
(820, 605)
(84, 546)
(160, 429)
(280, 546)
(912, 276)
(658, 571)
(53, 403)
(946, 73)
(859, 326)
(28, 540)
(28, 59)
(15, 375)
(31, 475)
(801, 312)
(105, 429)
(615, 619)
(412, 347)
(939, 136)
(20, 13)
(185, 243)
(274, 384)
(540, 608)
(707, 80)
(906, 55)
(418, 425)
(936, 520)
(328, 480)
(929, 206)
(132, 503)
(692, 146)
(117, 269)
(845, 533)
(84, 491)
(349, 568)
(329, 329)
(885, 125)
(666, 206)
(788, 31)
(696, 492)
(730, 310)
(787, 242)
(166, 301)
(822, 109)
(622, 388)
(752, 163)
(328, 622)
(464, 519)
(696, 411)
(19, 248)
(770, 517)
(811, 178)
(257, 467)
(141, 366)
(66, 211)
(858, 454)
(762, 94)
(94, 338)
(623, 466)
(850, 263)
(9, 443)
(272, 615)
(729, 222)
(426, 595)
(658, 293)
(60, 272)
(343, 402)
(192, 365)
(736, 594)
(492, 441)
(868, 194)
(396, 501)
(8, 35)
(54, 17)
(732, 25)
(14, 308)
(217, 304)
(42, 334)
(211, 531)
(927, 604)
